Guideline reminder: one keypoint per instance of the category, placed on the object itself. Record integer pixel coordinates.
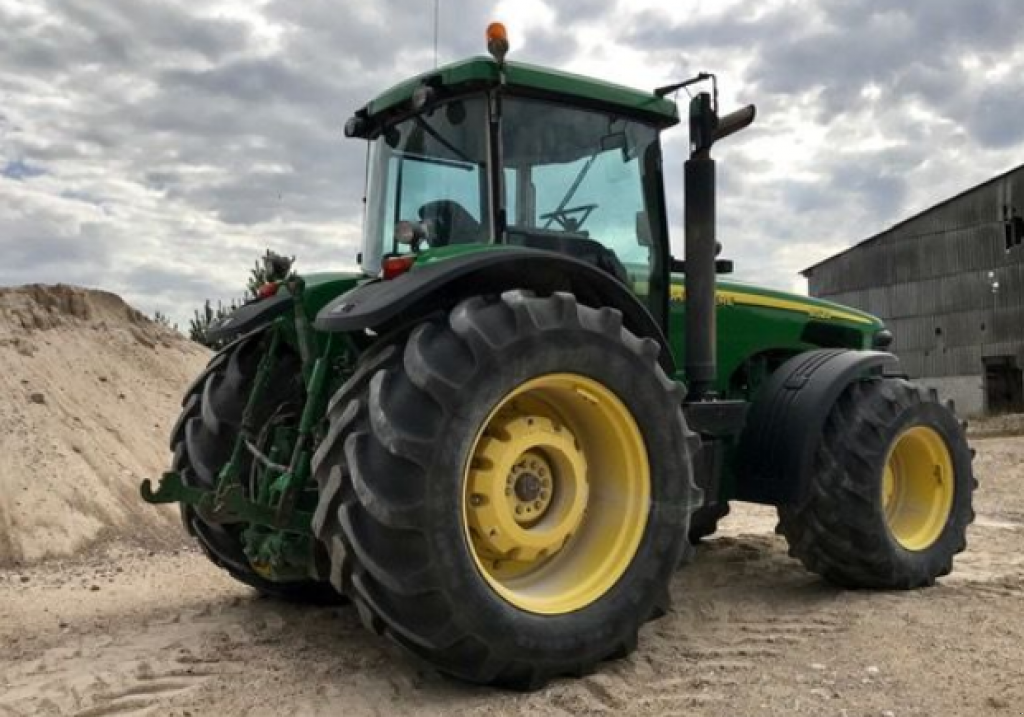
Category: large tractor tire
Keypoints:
(890, 501)
(506, 491)
(705, 521)
(202, 440)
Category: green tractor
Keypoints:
(496, 439)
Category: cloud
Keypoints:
(868, 111)
(157, 147)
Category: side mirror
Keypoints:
(410, 233)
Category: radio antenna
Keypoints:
(437, 15)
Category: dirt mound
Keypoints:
(91, 388)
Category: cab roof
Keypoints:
(480, 72)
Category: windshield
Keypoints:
(578, 181)
(427, 178)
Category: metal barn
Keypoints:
(949, 283)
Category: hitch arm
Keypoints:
(171, 489)
(229, 506)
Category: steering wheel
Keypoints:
(565, 221)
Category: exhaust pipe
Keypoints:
(701, 246)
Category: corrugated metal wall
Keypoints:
(932, 279)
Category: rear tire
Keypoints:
(420, 423)
(890, 501)
(202, 440)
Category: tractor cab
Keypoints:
(486, 152)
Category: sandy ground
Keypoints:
(133, 621)
(133, 632)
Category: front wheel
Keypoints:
(705, 521)
(506, 493)
(890, 502)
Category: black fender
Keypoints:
(381, 305)
(786, 421)
(249, 317)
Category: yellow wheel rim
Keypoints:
(556, 494)
(917, 487)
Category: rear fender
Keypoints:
(249, 317)
(383, 305)
(785, 423)
(318, 290)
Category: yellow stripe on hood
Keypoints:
(728, 297)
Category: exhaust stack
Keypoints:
(701, 246)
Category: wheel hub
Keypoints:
(557, 491)
(529, 489)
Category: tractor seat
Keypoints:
(453, 223)
(577, 245)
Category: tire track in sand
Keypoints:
(129, 673)
(715, 641)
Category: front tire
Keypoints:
(506, 493)
(890, 501)
(705, 521)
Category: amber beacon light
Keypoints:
(497, 41)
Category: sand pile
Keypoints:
(90, 389)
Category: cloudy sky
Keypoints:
(154, 148)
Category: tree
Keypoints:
(268, 268)
(199, 325)
(164, 320)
